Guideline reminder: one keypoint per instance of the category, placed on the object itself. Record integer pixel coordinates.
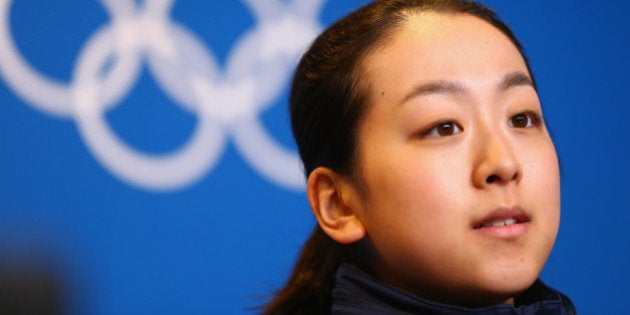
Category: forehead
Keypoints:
(442, 46)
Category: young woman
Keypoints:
(430, 170)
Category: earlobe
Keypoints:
(331, 198)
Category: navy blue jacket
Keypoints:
(357, 293)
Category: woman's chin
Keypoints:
(503, 289)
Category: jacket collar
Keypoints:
(356, 292)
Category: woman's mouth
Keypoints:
(508, 222)
(504, 222)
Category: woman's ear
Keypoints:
(334, 202)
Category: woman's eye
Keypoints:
(443, 129)
(524, 120)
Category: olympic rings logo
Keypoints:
(227, 103)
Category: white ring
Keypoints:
(162, 172)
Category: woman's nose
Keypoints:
(496, 161)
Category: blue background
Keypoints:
(224, 243)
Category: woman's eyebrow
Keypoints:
(436, 87)
(514, 79)
(510, 80)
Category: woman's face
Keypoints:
(458, 175)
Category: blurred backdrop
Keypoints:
(147, 166)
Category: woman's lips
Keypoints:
(506, 222)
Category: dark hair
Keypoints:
(327, 103)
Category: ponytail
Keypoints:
(308, 289)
